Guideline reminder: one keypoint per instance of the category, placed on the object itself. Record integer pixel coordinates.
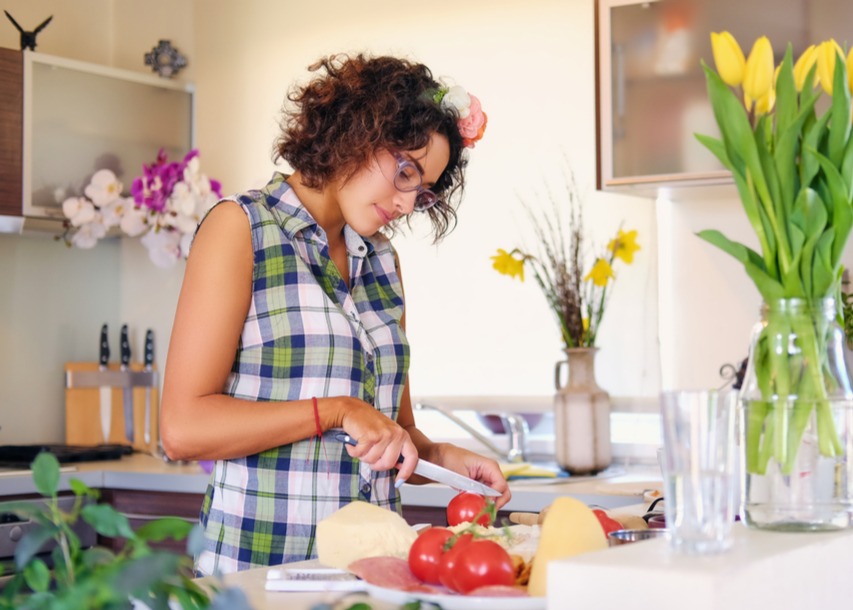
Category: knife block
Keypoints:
(83, 404)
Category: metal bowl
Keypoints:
(628, 536)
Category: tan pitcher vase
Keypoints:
(581, 415)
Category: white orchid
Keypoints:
(88, 235)
(104, 188)
(78, 211)
(134, 220)
(164, 247)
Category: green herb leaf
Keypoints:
(107, 521)
(31, 543)
(173, 528)
(46, 473)
(37, 575)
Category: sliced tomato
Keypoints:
(467, 506)
(426, 552)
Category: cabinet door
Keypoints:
(651, 87)
(140, 507)
(11, 130)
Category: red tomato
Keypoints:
(482, 563)
(465, 507)
(608, 524)
(447, 564)
(426, 552)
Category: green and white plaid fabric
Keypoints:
(306, 335)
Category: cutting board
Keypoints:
(83, 412)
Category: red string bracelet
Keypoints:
(317, 416)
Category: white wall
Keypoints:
(473, 332)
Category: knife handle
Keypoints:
(348, 440)
(124, 346)
(149, 348)
(104, 350)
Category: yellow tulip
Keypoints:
(803, 65)
(758, 78)
(728, 58)
(766, 102)
(827, 53)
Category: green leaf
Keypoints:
(822, 271)
(81, 489)
(718, 149)
(195, 541)
(107, 521)
(97, 556)
(839, 124)
(46, 473)
(37, 575)
(838, 204)
(752, 262)
(812, 138)
(31, 543)
(173, 528)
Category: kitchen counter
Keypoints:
(618, 486)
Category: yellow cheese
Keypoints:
(360, 530)
(570, 528)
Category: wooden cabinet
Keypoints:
(11, 130)
(141, 507)
(651, 92)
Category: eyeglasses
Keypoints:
(408, 178)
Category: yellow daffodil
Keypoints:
(600, 273)
(803, 65)
(624, 245)
(758, 77)
(827, 53)
(505, 263)
(728, 57)
(585, 323)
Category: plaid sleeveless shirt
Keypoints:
(306, 335)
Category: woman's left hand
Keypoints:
(475, 466)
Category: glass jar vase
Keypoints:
(796, 420)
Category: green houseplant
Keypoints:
(792, 163)
(97, 578)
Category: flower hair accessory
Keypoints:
(472, 120)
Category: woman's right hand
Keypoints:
(381, 441)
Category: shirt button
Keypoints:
(369, 356)
(365, 489)
(361, 248)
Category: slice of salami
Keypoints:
(389, 572)
(497, 591)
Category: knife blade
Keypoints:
(127, 389)
(106, 391)
(149, 366)
(436, 473)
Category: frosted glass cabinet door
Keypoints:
(651, 86)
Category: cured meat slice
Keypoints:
(497, 591)
(390, 573)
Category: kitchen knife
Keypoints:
(106, 390)
(436, 473)
(149, 366)
(127, 389)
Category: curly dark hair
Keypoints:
(358, 105)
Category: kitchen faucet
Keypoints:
(515, 426)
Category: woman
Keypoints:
(290, 319)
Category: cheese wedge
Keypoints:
(570, 528)
(360, 530)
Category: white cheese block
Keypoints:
(360, 530)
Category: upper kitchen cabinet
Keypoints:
(651, 88)
(11, 129)
(62, 120)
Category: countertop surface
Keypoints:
(617, 486)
